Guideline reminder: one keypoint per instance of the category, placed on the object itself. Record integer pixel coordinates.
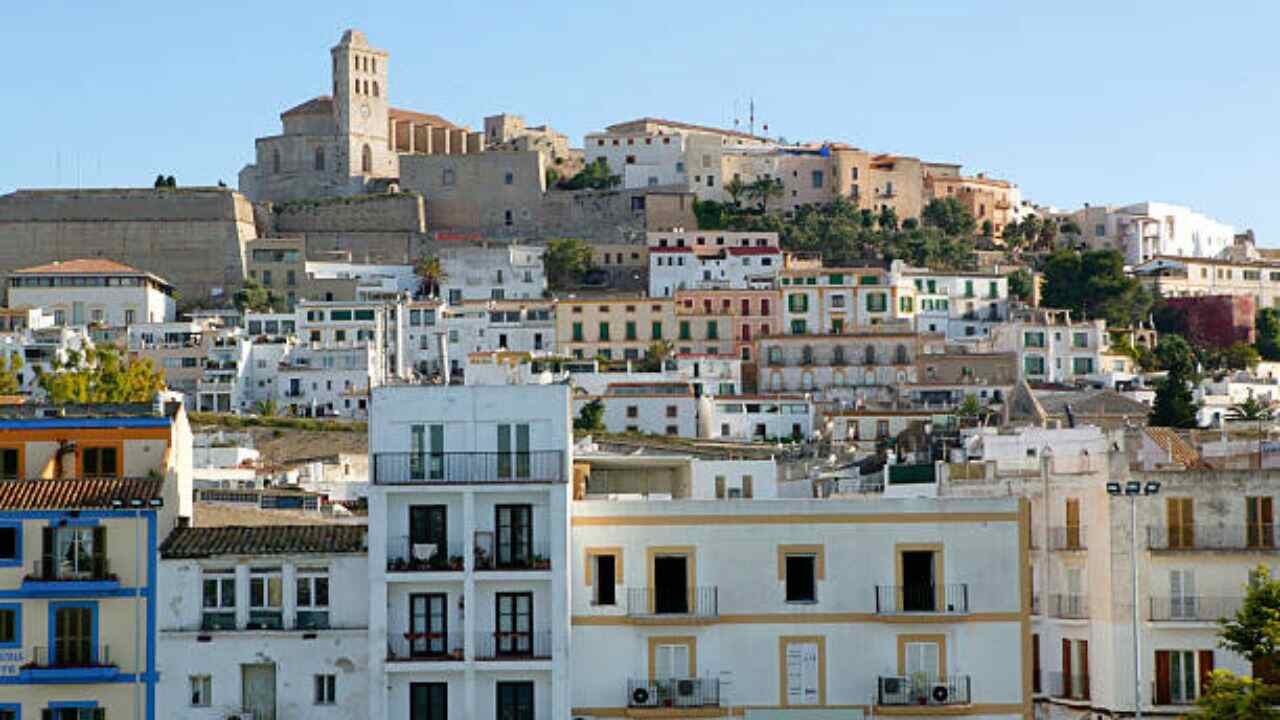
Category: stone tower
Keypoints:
(360, 108)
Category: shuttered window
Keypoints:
(1181, 519)
(1259, 522)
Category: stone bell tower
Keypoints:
(360, 108)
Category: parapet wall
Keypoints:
(393, 212)
(192, 237)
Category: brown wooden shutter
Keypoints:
(1206, 670)
(1188, 523)
(1084, 669)
(1163, 696)
(747, 486)
(719, 487)
(1268, 532)
(100, 552)
(1073, 524)
(1066, 668)
(1035, 663)
(1252, 537)
(47, 565)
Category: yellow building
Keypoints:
(82, 504)
(613, 327)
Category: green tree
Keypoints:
(1030, 229)
(266, 408)
(736, 189)
(1021, 284)
(1268, 333)
(1069, 227)
(590, 417)
(1250, 409)
(100, 375)
(950, 216)
(594, 176)
(565, 261)
(765, 189)
(988, 229)
(1093, 284)
(430, 274)
(253, 297)
(1048, 235)
(1231, 697)
(11, 375)
(888, 218)
(1176, 355)
(170, 183)
(1174, 406)
(160, 182)
(1241, 356)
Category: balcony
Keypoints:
(304, 621)
(425, 647)
(497, 645)
(1067, 539)
(1192, 608)
(922, 689)
(70, 662)
(1069, 607)
(1213, 538)
(659, 604)
(514, 557)
(404, 555)
(85, 578)
(673, 693)
(952, 598)
(1069, 686)
(461, 468)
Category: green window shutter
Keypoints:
(868, 280)
(835, 279)
(797, 327)
(604, 331)
(631, 330)
(837, 326)
(811, 280)
(656, 331)
(577, 332)
(713, 330)
(684, 330)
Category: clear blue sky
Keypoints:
(1093, 102)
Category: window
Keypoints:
(1033, 365)
(313, 598)
(1259, 522)
(428, 625)
(275, 161)
(75, 634)
(508, 179)
(515, 700)
(1181, 523)
(100, 462)
(320, 159)
(11, 625)
(326, 689)
(448, 177)
(816, 179)
(507, 218)
(11, 544)
(604, 332)
(798, 327)
(513, 622)
(1082, 366)
(73, 553)
(218, 600)
(630, 330)
(266, 599)
(801, 577)
(798, 303)
(577, 332)
(877, 302)
(515, 535)
(1181, 675)
(684, 330)
(633, 411)
(1080, 340)
(672, 411)
(673, 430)
(366, 159)
(713, 330)
(604, 576)
(429, 701)
(201, 690)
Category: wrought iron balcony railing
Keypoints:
(922, 598)
(690, 602)
(673, 693)
(923, 689)
(450, 468)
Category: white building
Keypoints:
(502, 272)
(1053, 348)
(652, 152)
(263, 622)
(373, 282)
(706, 604)
(1144, 230)
(93, 291)
(355, 324)
(1199, 536)
(747, 418)
(654, 408)
(327, 381)
(473, 327)
(40, 349)
(469, 576)
(221, 387)
(959, 305)
(711, 260)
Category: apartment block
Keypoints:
(263, 622)
(613, 328)
(468, 538)
(724, 322)
(1177, 277)
(1053, 348)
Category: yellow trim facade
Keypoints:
(817, 551)
(937, 638)
(783, 642)
(688, 641)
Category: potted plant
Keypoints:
(920, 687)
(541, 563)
(455, 562)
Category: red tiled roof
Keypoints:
(398, 114)
(81, 266)
(754, 251)
(323, 105)
(75, 494)
(198, 542)
(670, 250)
(315, 106)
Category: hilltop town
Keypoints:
(669, 420)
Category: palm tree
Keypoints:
(1250, 409)
(431, 273)
(765, 188)
(736, 189)
(265, 408)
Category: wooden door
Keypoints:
(258, 690)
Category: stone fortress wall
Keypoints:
(192, 237)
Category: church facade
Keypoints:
(348, 142)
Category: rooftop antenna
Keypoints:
(752, 122)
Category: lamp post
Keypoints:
(1132, 489)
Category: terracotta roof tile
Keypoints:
(81, 266)
(198, 542)
(75, 494)
(314, 106)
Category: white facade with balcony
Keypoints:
(469, 527)
(504, 272)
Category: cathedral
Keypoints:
(348, 142)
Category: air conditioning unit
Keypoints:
(940, 692)
(891, 685)
(684, 688)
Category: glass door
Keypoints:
(428, 625)
(514, 631)
(515, 535)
